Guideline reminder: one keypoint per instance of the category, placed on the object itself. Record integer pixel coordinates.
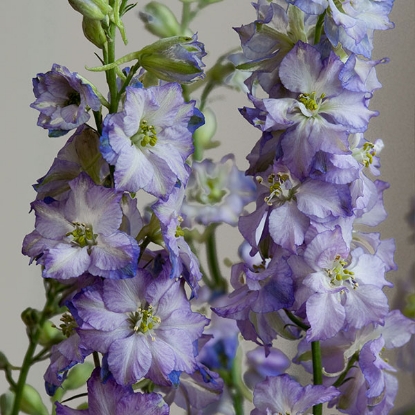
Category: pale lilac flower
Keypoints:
(289, 206)
(217, 192)
(346, 290)
(149, 141)
(144, 325)
(283, 395)
(320, 113)
(110, 398)
(81, 234)
(269, 38)
(260, 365)
(183, 261)
(63, 99)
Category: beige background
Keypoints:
(37, 33)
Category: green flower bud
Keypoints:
(93, 9)
(160, 20)
(30, 317)
(6, 403)
(31, 402)
(174, 59)
(78, 376)
(3, 361)
(94, 32)
(50, 335)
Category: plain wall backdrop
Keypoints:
(37, 33)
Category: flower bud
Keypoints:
(3, 361)
(78, 376)
(31, 402)
(49, 334)
(94, 32)
(174, 59)
(160, 20)
(93, 9)
(6, 403)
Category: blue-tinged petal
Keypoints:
(129, 359)
(326, 316)
(50, 220)
(125, 295)
(66, 261)
(116, 252)
(288, 225)
(365, 304)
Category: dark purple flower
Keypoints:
(63, 99)
(283, 395)
(80, 234)
(144, 324)
(109, 398)
(149, 141)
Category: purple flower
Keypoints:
(217, 192)
(75, 157)
(144, 324)
(149, 141)
(260, 365)
(63, 99)
(283, 395)
(174, 59)
(352, 25)
(346, 291)
(183, 261)
(269, 38)
(288, 207)
(80, 234)
(109, 398)
(321, 115)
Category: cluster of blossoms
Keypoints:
(128, 278)
(311, 264)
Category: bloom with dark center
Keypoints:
(63, 99)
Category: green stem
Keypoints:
(212, 259)
(342, 377)
(186, 17)
(319, 28)
(317, 372)
(296, 320)
(28, 359)
(109, 57)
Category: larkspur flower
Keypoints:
(184, 262)
(72, 159)
(345, 291)
(80, 234)
(149, 141)
(217, 192)
(283, 395)
(319, 113)
(63, 99)
(269, 38)
(287, 207)
(109, 398)
(144, 325)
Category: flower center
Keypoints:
(279, 186)
(146, 135)
(143, 321)
(82, 235)
(68, 325)
(338, 273)
(74, 98)
(179, 230)
(310, 101)
(365, 154)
